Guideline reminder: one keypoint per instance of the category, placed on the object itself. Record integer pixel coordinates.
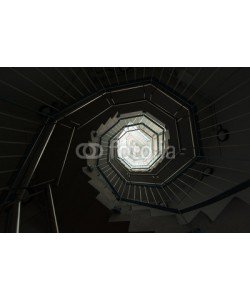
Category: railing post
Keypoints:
(65, 157)
(52, 210)
(26, 173)
(14, 216)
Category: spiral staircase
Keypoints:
(49, 115)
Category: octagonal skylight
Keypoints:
(140, 145)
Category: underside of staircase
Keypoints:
(46, 113)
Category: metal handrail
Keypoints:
(217, 198)
(109, 156)
(164, 111)
(151, 174)
(28, 168)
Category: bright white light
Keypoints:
(139, 147)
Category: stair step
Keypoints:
(109, 123)
(140, 221)
(120, 217)
(167, 224)
(138, 207)
(158, 212)
(147, 223)
(244, 195)
(107, 202)
(187, 217)
(100, 130)
(214, 210)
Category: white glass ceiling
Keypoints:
(140, 146)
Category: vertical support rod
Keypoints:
(65, 157)
(18, 216)
(26, 173)
(52, 209)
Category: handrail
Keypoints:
(126, 86)
(72, 109)
(121, 104)
(89, 99)
(25, 163)
(28, 169)
(238, 188)
(151, 174)
(109, 155)
(30, 186)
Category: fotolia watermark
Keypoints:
(89, 151)
(96, 151)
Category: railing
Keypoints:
(25, 173)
